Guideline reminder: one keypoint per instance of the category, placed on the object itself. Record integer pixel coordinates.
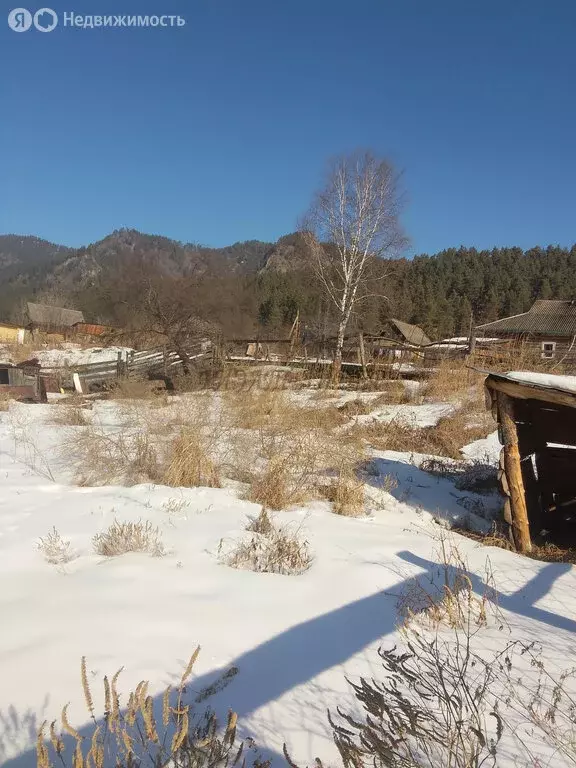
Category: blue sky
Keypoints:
(220, 130)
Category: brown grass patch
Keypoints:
(355, 408)
(446, 438)
(138, 389)
(5, 400)
(189, 464)
(346, 493)
(71, 416)
(452, 379)
(296, 462)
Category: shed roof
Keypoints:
(530, 385)
(43, 314)
(546, 317)
(412, 333)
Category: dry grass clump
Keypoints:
(395, 393)
(121, 538)
(356, 407)
(138, 389)
(136, 734)
(276, 487)
(451, 379)
(189, 464)
(272, 409)
(262, 524)
(296, 461)
(71, 416)
(5, 400)
(256, 408)
(346, 493)
(447, 596)
(55, 549)
(270, 549)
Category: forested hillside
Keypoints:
(255, 286)
(440, 292)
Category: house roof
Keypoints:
(545, 317)
(43, 314)
(412, 333)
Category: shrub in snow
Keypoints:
(102, 456)
(432, 707)
(269, 549)
(121, 538)
(55, 549)
(139, 734)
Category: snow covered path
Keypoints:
(292, 638)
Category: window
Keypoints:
(548, 349)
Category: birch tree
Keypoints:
(356, 216)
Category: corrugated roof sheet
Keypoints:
(55, 317)
(546, 317)
(412, 333)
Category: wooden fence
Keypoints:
(159, 361)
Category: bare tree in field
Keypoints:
(356, 213)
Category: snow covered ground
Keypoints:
(294, 639)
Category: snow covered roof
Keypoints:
(545, 317)
(538, 386)
(549, 380)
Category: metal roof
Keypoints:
(546, 317)
(412, 333)
(54, 317)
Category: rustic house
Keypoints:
(53, 320)
(549, 328)
(397, 341)
(536, 415)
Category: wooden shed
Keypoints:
(22, 382)
(536, 416)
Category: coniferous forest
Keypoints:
(258, 287)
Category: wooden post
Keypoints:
(518, 509)
(362, 355)
(165, 361)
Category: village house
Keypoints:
(13, 334)
(56, 321)
(549, 328)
